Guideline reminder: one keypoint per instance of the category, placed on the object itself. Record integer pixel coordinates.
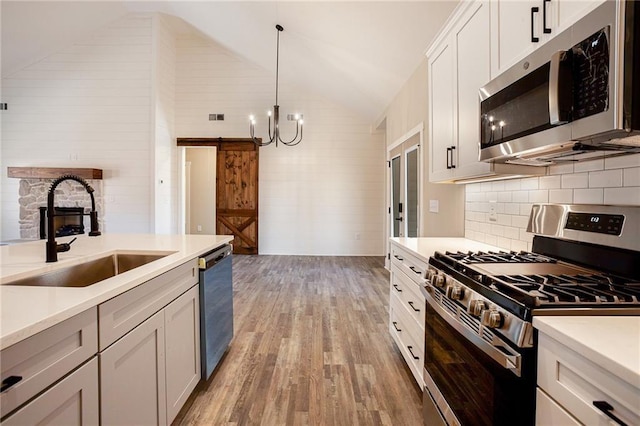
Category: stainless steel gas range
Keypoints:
(480, 345)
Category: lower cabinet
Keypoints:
(71, 401)
(148, 374)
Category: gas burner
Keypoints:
(502, 257)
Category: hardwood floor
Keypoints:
(311, 346)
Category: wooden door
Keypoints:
(237, 195)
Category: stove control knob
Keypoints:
(492, 318)
(430, 273)
(438, 281)
(455, 292)
(476, 307)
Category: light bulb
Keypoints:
(493, 127)
(297, 116)
(301, 121)
(269, 113)
(251, 118)
(502, 123)
(491, 118)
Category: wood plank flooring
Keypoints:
(311, 347)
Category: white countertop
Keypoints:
(613, 342)
(424, 247)
(25, 311)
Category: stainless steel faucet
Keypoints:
(52, 247)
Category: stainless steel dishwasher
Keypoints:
(216, 307)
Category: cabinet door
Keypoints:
(132, 377)
(182, 338)
(72, 401)
(441, 111)
(511, 30)
(473, 63)
(567, 12)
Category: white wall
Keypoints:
(164, 160)
(613, 181)
(88, 105)
(408, 109)
(322, 197)
(202, 190)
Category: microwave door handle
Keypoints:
(555, 117)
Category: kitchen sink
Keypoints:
(91, 272)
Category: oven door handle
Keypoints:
(497, 350)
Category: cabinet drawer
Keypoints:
(411, 349)
(122, 313)
(409, 264)
(548, 412)
(45, 357)
(575, 382)
(72, 401)
(409, 292)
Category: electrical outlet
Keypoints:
(434, 206)
(199, 228)
(493, 215)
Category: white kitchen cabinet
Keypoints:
(459, 64)
(520, 27)
(42, 359)
(407, 308)
(573, 382)
(154, 364)
(182, 344)
(72, 401)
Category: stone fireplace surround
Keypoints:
(33, 189)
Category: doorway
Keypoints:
(405, 174)
(222, 197)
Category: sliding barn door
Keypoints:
(237, 195)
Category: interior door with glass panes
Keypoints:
(404, 182)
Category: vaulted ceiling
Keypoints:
(356, 53)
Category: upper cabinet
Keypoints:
(520, 27)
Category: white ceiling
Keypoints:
(356, 53)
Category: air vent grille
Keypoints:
(487, 335)
(470, 321)
(450, 306)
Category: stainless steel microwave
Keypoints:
(572, 99)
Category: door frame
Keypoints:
(417, 130)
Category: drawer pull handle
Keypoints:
(413, 268)
(413, 307)
(398, 257)
(396, 327)
(411, 352)
(607, 409)
(397, 288)
(9, 382)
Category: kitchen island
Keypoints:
(123, 349)
(25, 311)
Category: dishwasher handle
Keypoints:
(213, 257)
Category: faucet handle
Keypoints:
(65, 246)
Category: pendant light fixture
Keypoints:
(275, 136)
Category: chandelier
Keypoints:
(275, 136)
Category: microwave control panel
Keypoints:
(590, 65)
(610, 224)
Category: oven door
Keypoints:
(470, 384)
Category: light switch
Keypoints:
(434, 206)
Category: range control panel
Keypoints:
(610, 224)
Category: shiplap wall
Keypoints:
(164, 160)
(322, 197)
(88, 105)
(612, 181)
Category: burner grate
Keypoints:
(498, 257)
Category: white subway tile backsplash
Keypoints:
(505, 196)
(486, 186)
(525, 209)
(505, 219)
(631, 177)
(473, 187)
(588, 196)
(520, 197)
(491, 239)
(503, 243)
(512, 208)
(512, 185)
(517, 245)
(588, 166)
(624, 196)
(497, 230)
(529, 183)
(539, 196)
(550, 182)
(519, 221)
(560, 169)
(511, 232)
(622, 162)
(526, 236)
(605, 179)
(491, 196)
(561, 196)
(497, 185)
(576, 180)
